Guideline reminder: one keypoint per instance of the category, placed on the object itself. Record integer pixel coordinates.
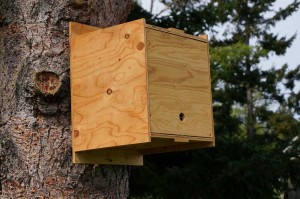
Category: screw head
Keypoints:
(127, 36)
(109, 91)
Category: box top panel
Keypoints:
(177, 32)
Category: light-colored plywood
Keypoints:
(179, 33)
(179, 85)
(203, 37)
(179, 139)
(173, 136)
(133, 154)
(160, 145)
(76, 29)
(211, 100)
(114, 157)
(175, 30)
(109, 87)
(138, 89)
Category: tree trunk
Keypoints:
(35, 136)
(250, 123)
(250, 114)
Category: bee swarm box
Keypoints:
(138, 89)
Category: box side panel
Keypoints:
(108, 87)
(76, 29)
(179, 85)
(210, 94)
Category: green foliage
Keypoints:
(239, 166)
(234, 169)
(138, 12)
(190, 16)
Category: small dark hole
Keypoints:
(109, 91)
(127, 36)
(181, 116)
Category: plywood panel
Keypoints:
(179, 84)
(111, 156)
(177, 147)
(109, 89)
(133, 154)
(76, 29)
(179, 33)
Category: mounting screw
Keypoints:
(109, 91)
(127, 36)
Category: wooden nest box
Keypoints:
(138, 89)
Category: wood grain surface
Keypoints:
(163, 144)
(178, 33)
(110, 156)
(179, 85)
(123, 75)
(109, 87)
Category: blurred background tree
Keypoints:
(256, 108)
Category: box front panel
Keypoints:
(179, 85)
(108, 80)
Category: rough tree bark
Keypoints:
(35, 136)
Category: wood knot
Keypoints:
(79, 3)
(109, 91)
(140, 45)
(76, 133)
(127, 36)
(48, 83)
